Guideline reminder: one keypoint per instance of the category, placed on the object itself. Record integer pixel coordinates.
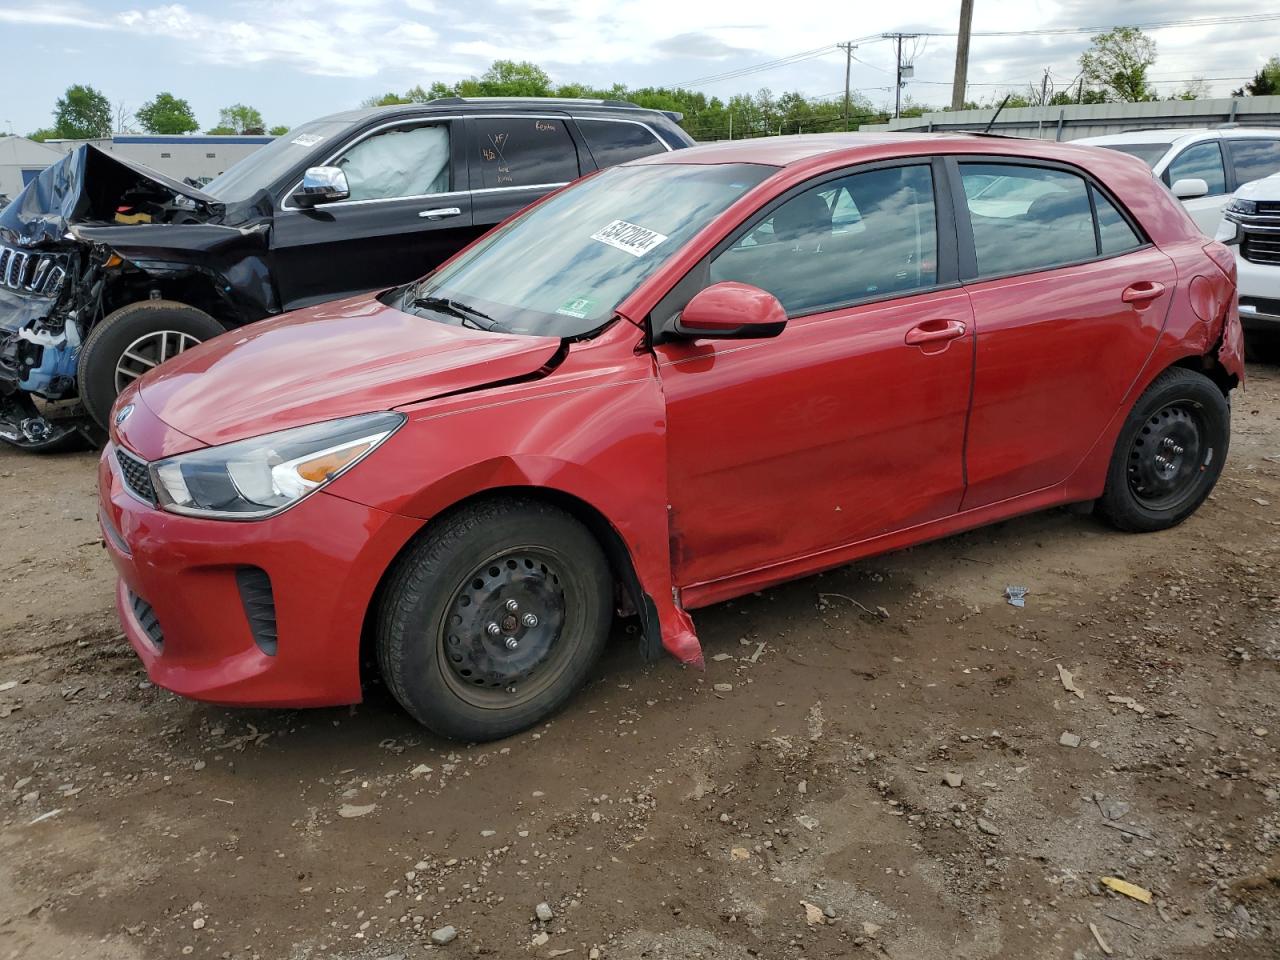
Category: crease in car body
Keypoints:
(504, 504)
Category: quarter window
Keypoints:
(612, 142)
(524, 152)
(1201, 162)
(410, 161)
(1255, 159)
(864, 236)
(1114, 233)
(1027, 218)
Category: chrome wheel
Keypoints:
(148, 351)
(1168, 457)
(500, 643)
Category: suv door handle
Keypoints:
(440, 212)
(1142, 291)
(932, 331)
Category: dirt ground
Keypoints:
(802, 811)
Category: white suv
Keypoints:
(1252, 226)
(1202, 167)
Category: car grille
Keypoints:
(1269, 207)
(136, 476)
(147, 619)
(1261, 248)
(30, 271)
(259, 606)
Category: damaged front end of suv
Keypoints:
(90, 237)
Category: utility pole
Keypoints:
(962, 56)
(1044, 89)
(901, 71)
(848, 49)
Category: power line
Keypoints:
(1153, 25)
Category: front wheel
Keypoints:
(492, 621)
(131, 341)
(1169, 454)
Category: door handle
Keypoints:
(1142, 291)
(933, 331)
(440, 212)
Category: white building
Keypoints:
(20, 160)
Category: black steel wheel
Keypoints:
(494, 617)
(1169, 454)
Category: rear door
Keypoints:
(1068, 303)
(612, 140)
(515, 159)
(409, 209)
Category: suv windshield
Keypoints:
(1148, 153)
(262, 168)
(560, 269)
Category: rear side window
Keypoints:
(523, 152)
(1202, 162)
(1027, 218)
(1255, 159)
(613, 142)
(1114, 233)
(868, 235)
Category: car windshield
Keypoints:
(561, 268)
(1148, 153)
(260, 169)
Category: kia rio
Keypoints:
(672, 383)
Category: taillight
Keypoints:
(1223, 258)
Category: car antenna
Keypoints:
(991, 122)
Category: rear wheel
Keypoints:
(494, 619)
(130, 342)
(1169, 454)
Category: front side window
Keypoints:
(613, 142)
(863, 236)
(410, 161)
(1255, 159)
(1200, 162)
(523, 152)
(562, 267)
(1027, 218)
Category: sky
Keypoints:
(300, 59)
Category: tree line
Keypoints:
(1115, 68)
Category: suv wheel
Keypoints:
(1169, 453)
(492, 621)
(132, 340)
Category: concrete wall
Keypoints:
(1090, 120)
(18, 155)
(178, 156)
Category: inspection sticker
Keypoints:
(579, 307)
(307, 139)
(629, 237)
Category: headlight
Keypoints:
(256, 478)
(1245, 208)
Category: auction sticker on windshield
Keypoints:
(629, 237)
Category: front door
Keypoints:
(1068, 299)
(409, 209)
(851, 423)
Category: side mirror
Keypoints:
(732, 311)
(322, 185)
(1189, 188)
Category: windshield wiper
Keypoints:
(470, 316)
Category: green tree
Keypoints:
(238, 118)
(165, 113)
(507, 78)
(43, 134)
(82, 113)
(279, 130)
(1118, 62)
(1266, 82)
(221, 131)
(388, 99)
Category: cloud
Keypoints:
(697, 45)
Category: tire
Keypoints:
(1169, 454)
(104, 350)
(438, 650)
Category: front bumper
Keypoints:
(323, 559)
(1259, 285)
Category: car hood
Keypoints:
(336, 360)
(1268, 188)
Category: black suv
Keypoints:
(108, 268)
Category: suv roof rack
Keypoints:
(445, 101)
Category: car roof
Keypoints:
(1172, 135)
(480, 104)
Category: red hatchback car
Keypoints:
(674, 382)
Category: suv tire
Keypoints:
(137, 325)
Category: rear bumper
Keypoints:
(323, 558)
